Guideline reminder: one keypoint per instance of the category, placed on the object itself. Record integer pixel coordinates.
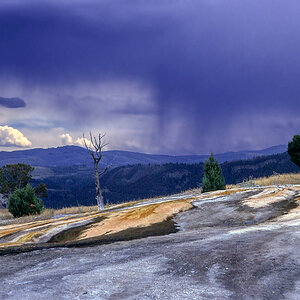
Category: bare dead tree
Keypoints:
(95, 147)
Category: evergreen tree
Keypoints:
(24, 202)
(213, 178)
(294, 150)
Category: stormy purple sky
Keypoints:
(174, 77)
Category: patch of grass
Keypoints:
(278, 179)
(48, 213)
(5, 214)
(231, 186)
(75, 210)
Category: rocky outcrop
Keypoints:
(233, 244)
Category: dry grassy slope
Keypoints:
(142, 218)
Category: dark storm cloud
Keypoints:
(12, 102)
(214, 65)
(59, 44)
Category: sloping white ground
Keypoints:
(225, 249)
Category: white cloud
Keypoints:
(10, 137)
(126, 109)
(80, 142)
(66, 139)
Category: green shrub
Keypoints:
(213, 179)
(24, 202)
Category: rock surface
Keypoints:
(243, 245)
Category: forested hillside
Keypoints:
(69, 186)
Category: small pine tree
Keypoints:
(213, 179)
(24, 202)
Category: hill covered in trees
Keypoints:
(74, 185)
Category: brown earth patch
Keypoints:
(135, 217)
(136, 222)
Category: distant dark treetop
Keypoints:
(294, 150)
(14, 176)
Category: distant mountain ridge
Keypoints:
(74, 155)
